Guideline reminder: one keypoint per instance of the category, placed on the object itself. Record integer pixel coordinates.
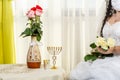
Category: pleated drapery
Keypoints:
(7, 48)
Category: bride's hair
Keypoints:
(110, 11)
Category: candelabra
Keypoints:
(54, 51)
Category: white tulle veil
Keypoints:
(100, 13)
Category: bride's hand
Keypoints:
(110, 50)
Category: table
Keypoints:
(21, 72)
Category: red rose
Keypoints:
(34, 8)
(38, 7)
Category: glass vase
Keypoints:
(33, 55)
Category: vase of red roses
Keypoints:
(34, 29)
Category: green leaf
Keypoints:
(27, 32)
(107, 55)
(87, 57)
(40, 32)
(96, 53)
(94, 58)
(90, 57)
(38, 37)
(22, 33)
(93, 45)
(27, 24)
(40, 22)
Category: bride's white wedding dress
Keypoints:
(101, 69)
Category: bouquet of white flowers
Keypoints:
(103, 43)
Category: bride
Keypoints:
(108, 68)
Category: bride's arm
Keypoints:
(116, 50)
(110, 50)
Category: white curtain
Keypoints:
(71, 24)
(79, 30)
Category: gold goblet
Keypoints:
(54, 51)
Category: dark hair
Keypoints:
(110, 11)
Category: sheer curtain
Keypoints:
(81, 23)
(71, 24)
(79, 29)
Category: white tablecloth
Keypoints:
(21, 72)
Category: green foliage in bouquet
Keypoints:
(95, 54)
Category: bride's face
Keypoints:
(117, 15)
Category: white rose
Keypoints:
(111, 42)
(100, 41)
(105, 47)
